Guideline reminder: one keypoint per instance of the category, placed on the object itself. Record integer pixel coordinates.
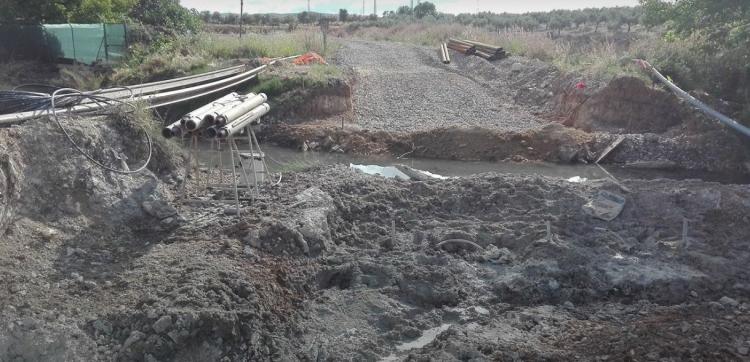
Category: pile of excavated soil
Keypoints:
(333, 264)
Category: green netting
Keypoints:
(84, 43)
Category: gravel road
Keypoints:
(405, 88)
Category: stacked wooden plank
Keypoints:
(486, 51)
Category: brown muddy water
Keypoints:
(281, 159)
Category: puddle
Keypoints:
(280, 159)
(426, 338)
(388, 171)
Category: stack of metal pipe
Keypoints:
(469, 47)
(222, 117)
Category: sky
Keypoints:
(355, 6)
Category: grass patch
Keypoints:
(279, 81)
(187, 55)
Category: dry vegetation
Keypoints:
(202, 52)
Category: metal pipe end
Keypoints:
(167, 132)
(191, 125)
(209, 118)
(222, 133)
(221, 120)
(211, 132)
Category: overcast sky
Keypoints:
(355, 6)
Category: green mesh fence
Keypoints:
(83, 43)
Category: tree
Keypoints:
(304, 17)
(724, 24)
(424, 9)
(343, 15)
(404, 10)
(231, 18)
(168, 14)
(558, 22)
(206, 16)
(216, 17)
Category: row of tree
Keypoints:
(166, 14)
(557, 20)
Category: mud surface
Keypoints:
(333, 264)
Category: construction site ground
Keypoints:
(333, 264)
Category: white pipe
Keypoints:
(211, 117)
(196, 119)
(245, 120)
(184, 95)
(234, 113)
(232, 81)
(203, 110)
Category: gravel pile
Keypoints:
(405, 88)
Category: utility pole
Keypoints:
(363, 7)
(308, 6)
(375, 7)
(242, 5)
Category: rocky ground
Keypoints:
(401, 88)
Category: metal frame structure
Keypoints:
(249, 178)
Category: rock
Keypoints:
(516, 67)
(15, 288)
(49, 234)
(162, 324)
(729, 301)
(314, 230)
(77, 277)
(248, 250)
(159, 209)
(230, 211)
(89, 284)
(134, 337)
(742, 350)
(694, 294)
(253, 238)
(102, 327)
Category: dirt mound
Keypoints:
(627, 105)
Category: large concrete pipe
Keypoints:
(235, 113)
(248, 119)
(211, 117)
(173, 130)
(194, 119)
